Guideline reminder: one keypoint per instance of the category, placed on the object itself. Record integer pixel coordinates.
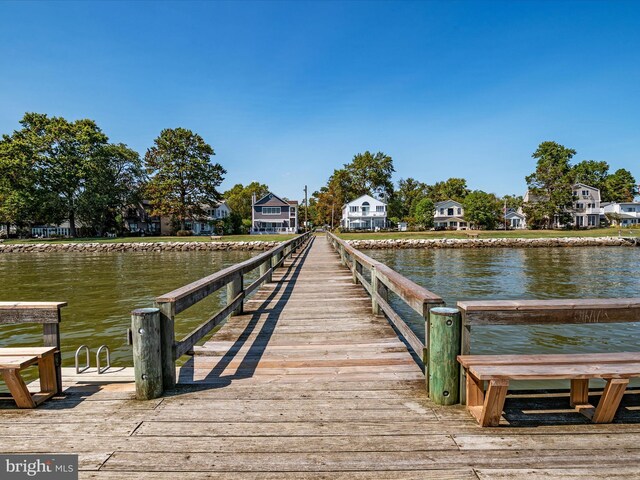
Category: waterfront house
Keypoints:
(515, 219)
(625, 214)
(364, 213)
(585, 210)
(204, 225)
(272, 214)
(586, 206)
(449, 214)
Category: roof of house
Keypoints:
(367, 197)
(271, 199)
(447, 202)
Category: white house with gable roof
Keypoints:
(364, 213)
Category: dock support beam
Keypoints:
(264, 268)
(444, 346)
(147, 355)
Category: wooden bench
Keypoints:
(216, 237)
(486, 404)
(472, 234)
(13, 360)
(48, 315)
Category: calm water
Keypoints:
(537, 273)
(101, 290)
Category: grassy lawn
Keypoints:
(227, 238)
(596, 232)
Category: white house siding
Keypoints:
(364, 213)
(626, 214)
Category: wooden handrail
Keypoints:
(180, 299)
(383, 280)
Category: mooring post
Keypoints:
(147, 355)
(444, 346)
(234, 288)
(167, 341)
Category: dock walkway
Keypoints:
(306, 383)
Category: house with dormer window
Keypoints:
(450, 215)
(272, 214)
(364, 213)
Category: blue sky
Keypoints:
(287, 91)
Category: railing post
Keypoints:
(264, 268)
(444, 346)
(147, 353)
(374, 290)
(167, 344)
(234, 288)
(355, 269)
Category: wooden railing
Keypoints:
(383, 280)
(481, 313)
(172, 303)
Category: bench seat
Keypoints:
(486, 405)
(12, 360)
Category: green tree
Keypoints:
(406, 197)
(239, 197)
(591, 172)
(114, 181)
(451, 189)
(424, 212)
(550, 192)
(370, 174)
(60, 154)
(182, 177)
(620, 186)
(482, 209)
(512, 201)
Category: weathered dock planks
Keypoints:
(307, 383)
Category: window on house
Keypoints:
(442, 211)
(585, 192)
(379, 208)
(353, 209)
(579, 205)
(271, 210)
(449, 211)
(459, 211)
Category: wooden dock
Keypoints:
(308, 383)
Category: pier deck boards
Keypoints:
(307, 383)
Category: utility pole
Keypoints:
(306, 210)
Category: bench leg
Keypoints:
(494, 403)
(579, 392)
(48, 376)
(17, 388)
(475, 396)
(610, 400)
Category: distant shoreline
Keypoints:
(435, 243)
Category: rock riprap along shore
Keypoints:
(496, 242)
(135, 247)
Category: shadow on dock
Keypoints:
(249, 362)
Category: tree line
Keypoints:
(413, 201)
(54, 170)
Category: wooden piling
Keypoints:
(374, 290)
(147, 356)
(444, 346)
